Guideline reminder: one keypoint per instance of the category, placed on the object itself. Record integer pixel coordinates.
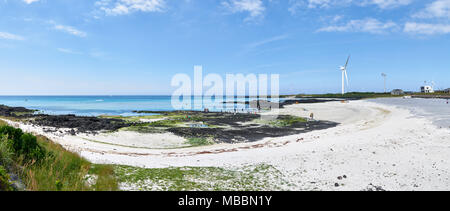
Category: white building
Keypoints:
(427, 89)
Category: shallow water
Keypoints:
(436, 110)
(115, 105)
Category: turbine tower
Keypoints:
(384, 76)
(344, 75)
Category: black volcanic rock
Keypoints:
(12, 111)
(80, 123)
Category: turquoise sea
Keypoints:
(111, 105)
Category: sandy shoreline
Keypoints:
(375, 145)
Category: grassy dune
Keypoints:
(57, 169)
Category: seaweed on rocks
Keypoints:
(75, 124)
(7, 111)
(80, 124)
(250, 134)
(238, 127)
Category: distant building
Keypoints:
(447, 90)
(426, 89)
(397, 92)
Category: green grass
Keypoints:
(433, 94)
(23, 113)
(287, 121)
(154, 127)
(165, 123)
(132, 118)
(6, 153)
(64, 170)
(195, 142)
(56, 170)
(144, 129)
(356, 95)
(249, 178)
(4, 180)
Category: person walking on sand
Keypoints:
(311, 116)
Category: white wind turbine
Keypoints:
(344, 75)
(384, 76)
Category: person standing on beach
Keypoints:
(312, 116)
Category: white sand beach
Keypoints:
(376, 145)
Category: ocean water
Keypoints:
(114, 105)
(436, 110)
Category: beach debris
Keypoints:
(372, 187)
(342, 177)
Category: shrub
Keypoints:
(12, 133)
(29, 147)
(6, 153)
(23, 144)
(4, 180)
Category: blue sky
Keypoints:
(54, 47)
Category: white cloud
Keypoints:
(255, 8)
(71, 30)
(30, 1)
(387, 4)
(9, 36)
(369, 25)
(266, 41)
(123, 7)
(68, 51)
(382, 4)
(436, 9)
(426, 29)
(321, 3)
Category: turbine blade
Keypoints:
(347, 62)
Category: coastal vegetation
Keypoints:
(349, 95)
(47, 166)
(195, 142)
(249, 178)
(30, 162)
(224, 127)
(288, 121)
(43, 165)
